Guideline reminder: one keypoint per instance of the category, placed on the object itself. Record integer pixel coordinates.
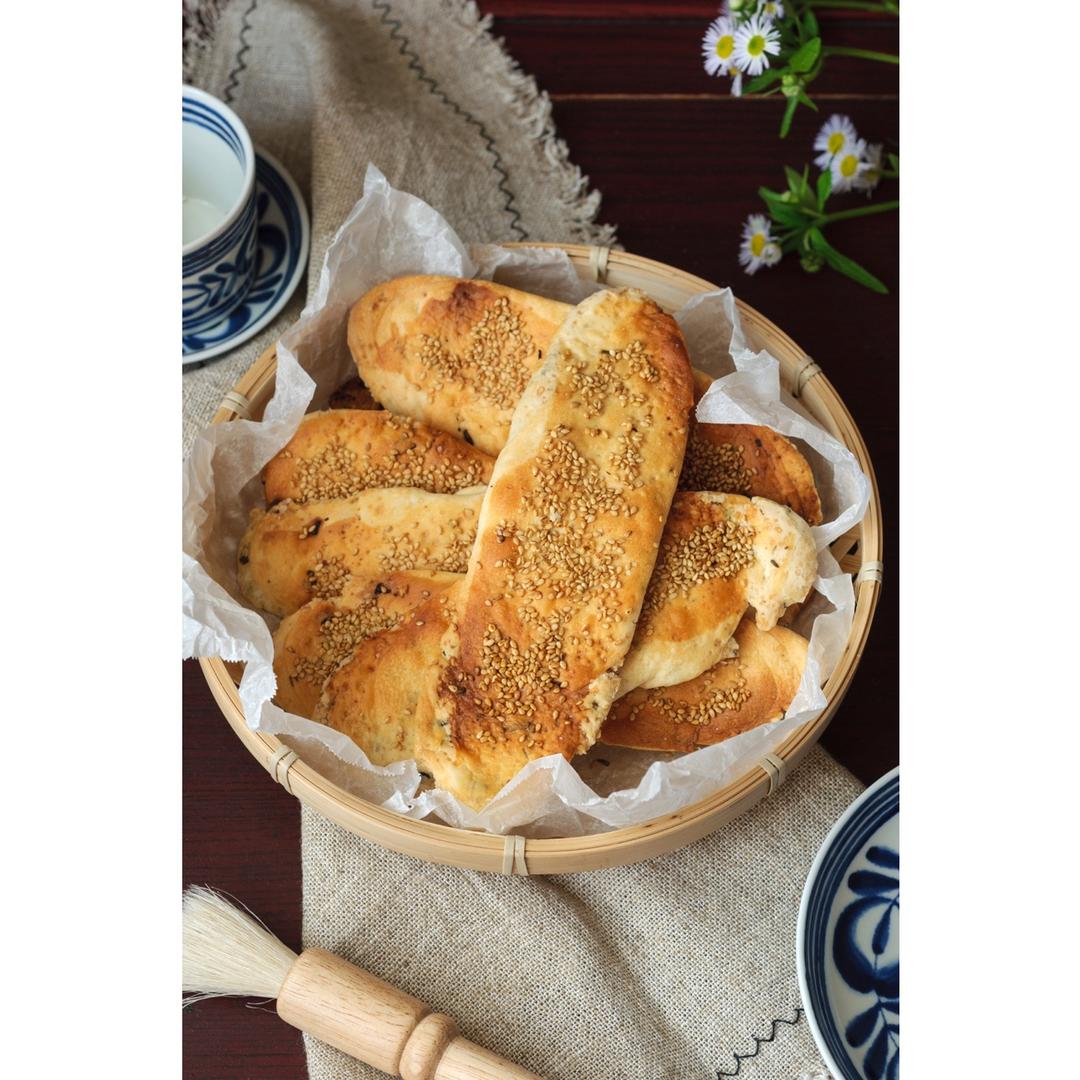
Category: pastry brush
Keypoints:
(228, 952)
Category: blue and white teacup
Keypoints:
(220, 235)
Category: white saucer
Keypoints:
(284, 235)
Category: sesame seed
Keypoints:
(495, 361)
(339, 634)
(728, 696)
(688, 557)
(712, 466)
(418, 457)
(327, 578)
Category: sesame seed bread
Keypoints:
(719, 553)
(341, 452)
(375, 696)
(567, 538)
(313, 641)
(294, 552)
(784, 565)
(476, 628)
(452, 352)
(696, 595)
(755, 687)
(746, 459)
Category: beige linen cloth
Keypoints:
(421, 89)
(678, 968)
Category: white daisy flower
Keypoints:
(734, 74)
(871, 177)
(836, 134)
(848, 166)
(718, 46)
(771, 254)
(772, 9)
(758, 248)
(755, 41)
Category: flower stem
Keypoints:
(861, 211)
(864, 54)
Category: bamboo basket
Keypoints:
(858, 552)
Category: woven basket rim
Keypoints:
(437, 842)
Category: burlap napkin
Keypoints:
(680, 967)
(421, 89)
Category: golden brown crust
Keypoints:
(293, 552)
(342, 452)
(697, 594)
(522, 657)
(375, 696)
(747, 459)
(735, 695)
(784, 565)
(718, 554)
(454, 353)
(311, 643)
(568, 535)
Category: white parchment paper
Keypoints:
(390, 233)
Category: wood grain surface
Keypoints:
(678, 162)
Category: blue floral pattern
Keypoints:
(849, 956)
(278, 256)
(877, 900)
(215, 290)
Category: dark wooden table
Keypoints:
(678, 162)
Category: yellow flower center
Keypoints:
(757, 244)
(849, 165)
(725, 46)
(836, 142)
(756, 45)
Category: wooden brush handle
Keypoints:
(372, 1021)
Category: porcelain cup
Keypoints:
(219, 223)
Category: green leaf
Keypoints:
(848, 267)
(805, 100)
(894, 161)
(789, 112)
(772, 199)
(799, 187)
(789, 215)
(804, 58)
(766, 78)
(824, 188)
(782, 209)
(796, 183)
(810, 24)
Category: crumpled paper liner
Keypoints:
(390, 233)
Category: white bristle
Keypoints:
(227, 952)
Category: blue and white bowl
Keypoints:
(220, 241)
(848, 939)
